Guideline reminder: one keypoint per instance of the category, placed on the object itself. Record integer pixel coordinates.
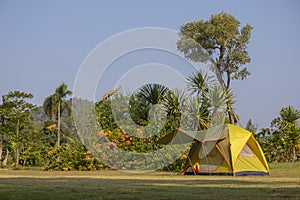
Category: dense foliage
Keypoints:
(36, 140)
(281, 142)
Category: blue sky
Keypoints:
(43, 43)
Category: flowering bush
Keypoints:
(73, 157)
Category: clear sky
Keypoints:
(43, 43)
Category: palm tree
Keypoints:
(153, 93)
(50, 108)
(219, 101)
(197, 114)
(174, 101)
(54, 105)
(199, 83)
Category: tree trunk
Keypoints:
(4, 162)
(58, 125)
(219, 75)
(1, 147)
(52, 116)
(17, 143)
(225, 87)
(231, 114)
(294, 154)
(24, 162)
(228, 80)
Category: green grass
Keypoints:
(284, 183)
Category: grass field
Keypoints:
(284, 183)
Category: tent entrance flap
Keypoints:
(211, 160)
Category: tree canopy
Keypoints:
(222, 42)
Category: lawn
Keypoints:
(284, 183)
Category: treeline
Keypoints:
(29, 135)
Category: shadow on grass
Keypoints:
(134, 188)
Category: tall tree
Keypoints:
(18, 120)
(55, 104)
(220, 41)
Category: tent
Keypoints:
(221, 150)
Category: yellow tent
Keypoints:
(221, 150)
